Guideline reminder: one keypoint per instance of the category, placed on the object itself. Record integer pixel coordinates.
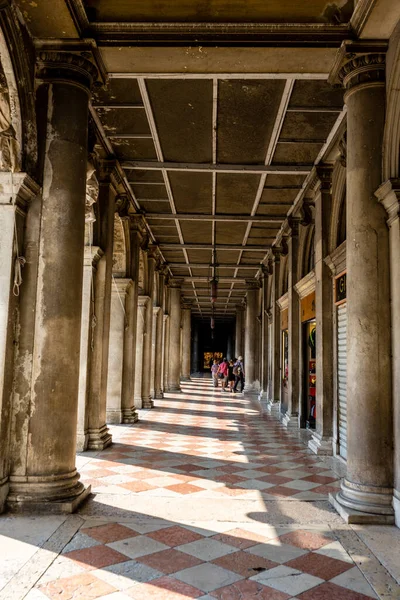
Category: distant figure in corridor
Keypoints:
(223, 373)
(214, 372)
(231, 376)
(238, 371)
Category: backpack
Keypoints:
(236, 370)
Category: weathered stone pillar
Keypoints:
(118, 325)
(186, 341)
(366, 492)
(99, 435)
(166, 353)
(389, 195)
(251, 337)
(321, 441)
(147, 401)
(158, 320)
(239, 343)
(17, 192)
(143, 303)
(276, 331)
(195, 348)
(229, 347)
(92, 256)
(291, 418)
(266, 295)
(44, 476)
(174, 354)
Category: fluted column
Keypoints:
(321, 441)
(291, 418)
(43, 467)
(186, 341)
(239, 342)
(174, 354)
(276, 330)
(92, 256)
(366, 491)
(251, 337)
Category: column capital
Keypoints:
(92, 256)
(276, 253)
(60, 65)
(122, 204)
(305, 210)
(175, 283)
(324, 174)
(186, 304)
(143, 300)
(252, 284)
(121, 285)
(152, 252)
(18, 189)
(293, 225)
(388, 195)
(359, 64)
(156, 310)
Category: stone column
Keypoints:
(186, 341)
(251, 337)
(366, 492)
(99, 435)
(158, 317)
(44, 476)
(229, 347)
(174, 354)
(266, 294)
(239, 345)
(195, 348)
(118, 324)
(321, 441)
(130, 340)
(276, 331)
(17, 192)
(389, 195)
(147, 402)
(291, 418)
(166, 353)
(91, 258)
(143, 303)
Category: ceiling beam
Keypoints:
(219, 265)
(153, 165)
(205, 217)
(236, 247)
(222, 278)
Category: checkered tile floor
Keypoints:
(205, 444)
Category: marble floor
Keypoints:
(203, 498)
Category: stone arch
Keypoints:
(391, 138)
(119, 249)
(338, 199)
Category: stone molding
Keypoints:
(92, 256)
(336, 261)
(143, 300)
(283, 301)
(175, 283)
(293, 226)
(306, 286)
(388, 195)
(252, 284)
(121, 285)
(17, 188)
(325, 175)
(59, 65)
(359, 64)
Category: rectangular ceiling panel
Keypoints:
(247, 112)
(118, 91)
(134, 149)
(124, 121)
(192, 191)
(236, 193)
(314, 93)
(196, 232)
(230, 233)
(182, 112)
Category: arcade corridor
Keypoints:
(203, 498)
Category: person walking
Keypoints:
(238, 371)
(223, 373)
(231, 376)
(214, 372)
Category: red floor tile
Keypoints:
(165, 588)
(330, 591)
(248, 590)
(244, 563)
(96, 557)
(169, 561)
(80, 587)
(319, 565)
(112, 532)
(174, 536)
(307, 540)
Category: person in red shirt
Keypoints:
(223, 373)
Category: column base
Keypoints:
(358, 503)
(4, 489)
(272, 406)
(129, 416)
(174, 389)
(352, 516)
(158, 395)
(147, 403)
(54, 495)
(185, 379)
(396, 507)
(81, 442)
(99, 438)
(290, 421)
(320, 445)
(114, 417)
